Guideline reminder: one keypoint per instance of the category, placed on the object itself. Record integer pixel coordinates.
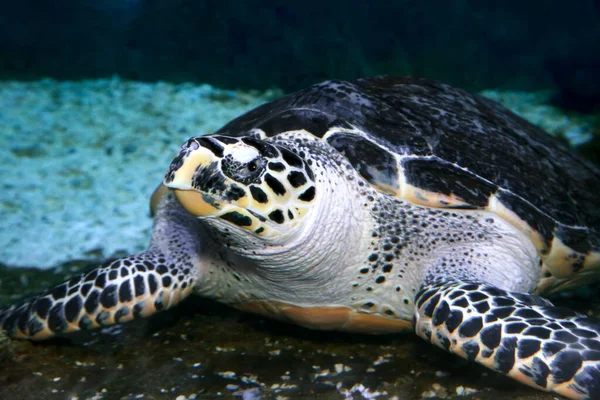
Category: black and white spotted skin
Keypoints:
(519, 335)
(118, 291)
(379, 205)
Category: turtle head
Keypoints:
(260, 187)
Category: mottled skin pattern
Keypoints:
(118, 291)
(368, 206)
(523, 336)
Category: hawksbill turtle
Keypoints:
(377, 205)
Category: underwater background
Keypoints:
(96, 98)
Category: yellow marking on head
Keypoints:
(244, 202)
(182, 177)
(228, 208)
(300, 211)
(207, 185)
(263, 208)
(201, 205)
(195, 203)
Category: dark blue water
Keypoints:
(261, 44)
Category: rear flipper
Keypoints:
(119, 291)
(523, 336)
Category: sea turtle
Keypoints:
(377, 205)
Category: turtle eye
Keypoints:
(244, 172)
(250, 168)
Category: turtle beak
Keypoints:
(191, 161)
(191, 158)
(196, 203)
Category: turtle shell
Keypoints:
(439, 146)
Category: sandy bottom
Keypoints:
(205, 350)
(79, 160)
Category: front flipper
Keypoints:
(119, 291)
(523, 336)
